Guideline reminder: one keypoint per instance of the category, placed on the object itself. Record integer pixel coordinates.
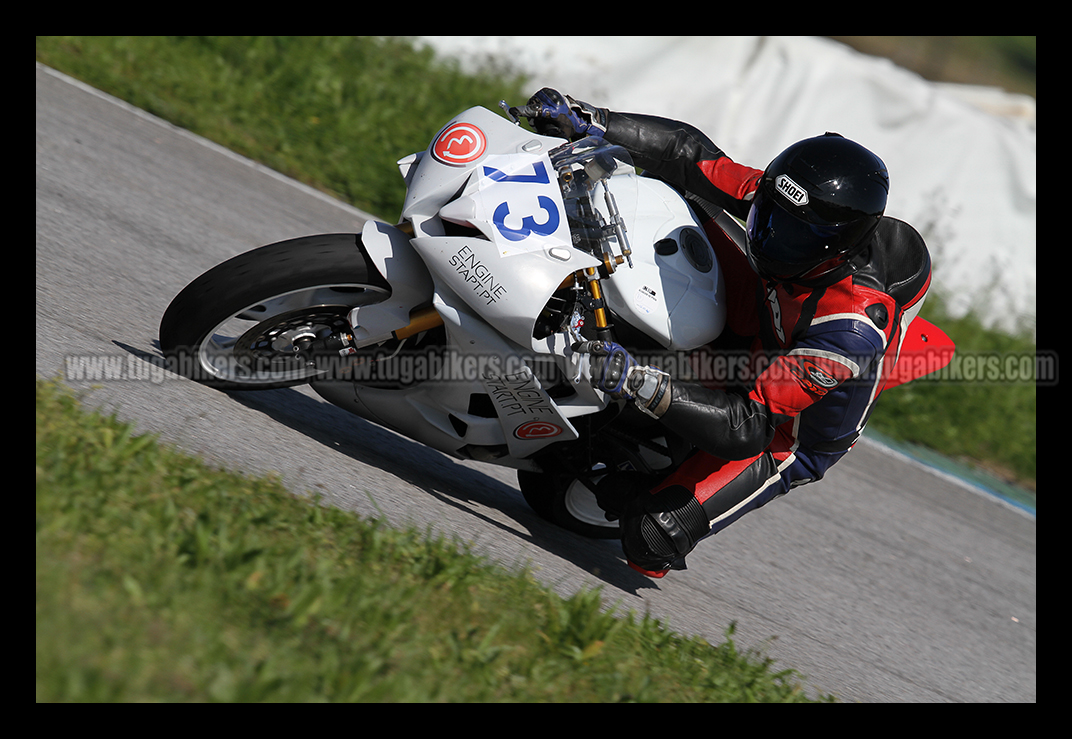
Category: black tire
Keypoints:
(566, 502)
(229, 328)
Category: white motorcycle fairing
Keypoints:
(515, 196)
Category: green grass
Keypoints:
(338, 112)
(160, 578)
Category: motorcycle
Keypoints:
(456, 326)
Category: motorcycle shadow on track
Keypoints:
(434, 473)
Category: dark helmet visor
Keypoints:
(782, 246)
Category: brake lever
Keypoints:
(510, 112)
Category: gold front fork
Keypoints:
(596, 291)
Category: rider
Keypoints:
(824, 291)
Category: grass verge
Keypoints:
(160, 578)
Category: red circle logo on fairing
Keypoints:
(461, 143)
(537, 430)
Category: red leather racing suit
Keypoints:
(822, 356)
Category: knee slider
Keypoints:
(661, 529)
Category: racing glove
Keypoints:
(614, 371)
(555, 114)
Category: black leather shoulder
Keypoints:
(896, 262)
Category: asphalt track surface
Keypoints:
(883, 583)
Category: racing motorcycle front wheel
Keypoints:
(256, 321)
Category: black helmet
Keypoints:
(816, 207)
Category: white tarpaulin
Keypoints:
(963, 176)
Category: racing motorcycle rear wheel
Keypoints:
(567, 502)
(250, 322)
